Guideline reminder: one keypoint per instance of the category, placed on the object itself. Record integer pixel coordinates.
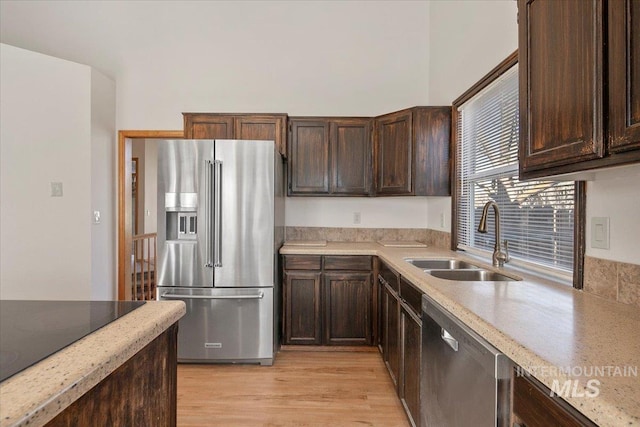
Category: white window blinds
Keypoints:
(536, 216)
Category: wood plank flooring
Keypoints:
(302, 388)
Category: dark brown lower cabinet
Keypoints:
(347, 314)
(391, 326)
(328, 300)
(401, 338)
(411, 327)
(302, 307)
(533, 406)
(141, 392)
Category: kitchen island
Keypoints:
(122, 374)
(550, 330)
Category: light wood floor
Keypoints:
(302, 388)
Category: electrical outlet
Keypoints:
(442, 220)
(96, 217)
(56, 189)
(356, 218)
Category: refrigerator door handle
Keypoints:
(217, 231)
(208, 171)
(260, 295)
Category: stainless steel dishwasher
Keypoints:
(465, 380)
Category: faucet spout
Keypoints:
(499, 257)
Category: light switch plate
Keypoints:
(600, 232)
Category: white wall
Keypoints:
(467, 40)
(439, 214)
(302, 58)
(45, 242)
(388, 212)
(615, 194)
(103, 239)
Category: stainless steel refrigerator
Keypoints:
(220, 226)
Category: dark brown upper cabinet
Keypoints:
(394, 153)
(208, 126)
(270, 127)
(563, 68)
(624, 75)
(309, 157)
(329, 156)
(412, 152)
(350, 146)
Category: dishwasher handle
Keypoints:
(449, 339)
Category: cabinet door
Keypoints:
(208, 126)
(391, 325)
(411, 348)
(624, 75)
(561, 89)
(432, 135)
(309, 157)
(256, 127)
(351, 156)
(347, 302)
(302, 323)
(394, 153)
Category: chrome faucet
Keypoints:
(499, 257)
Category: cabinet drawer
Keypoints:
(411, 295)
(390, 276)
(347, 263)
(533, 407)
(303, 262)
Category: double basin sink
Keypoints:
(455, 269)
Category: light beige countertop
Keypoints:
(37, 394)
(540, 325)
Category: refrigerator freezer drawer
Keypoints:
(224, 325)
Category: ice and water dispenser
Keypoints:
(182, 216)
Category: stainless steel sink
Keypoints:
(455, 269)
(440, 264)
(470, 275)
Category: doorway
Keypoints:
(125, 204)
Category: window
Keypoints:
(537, 217)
